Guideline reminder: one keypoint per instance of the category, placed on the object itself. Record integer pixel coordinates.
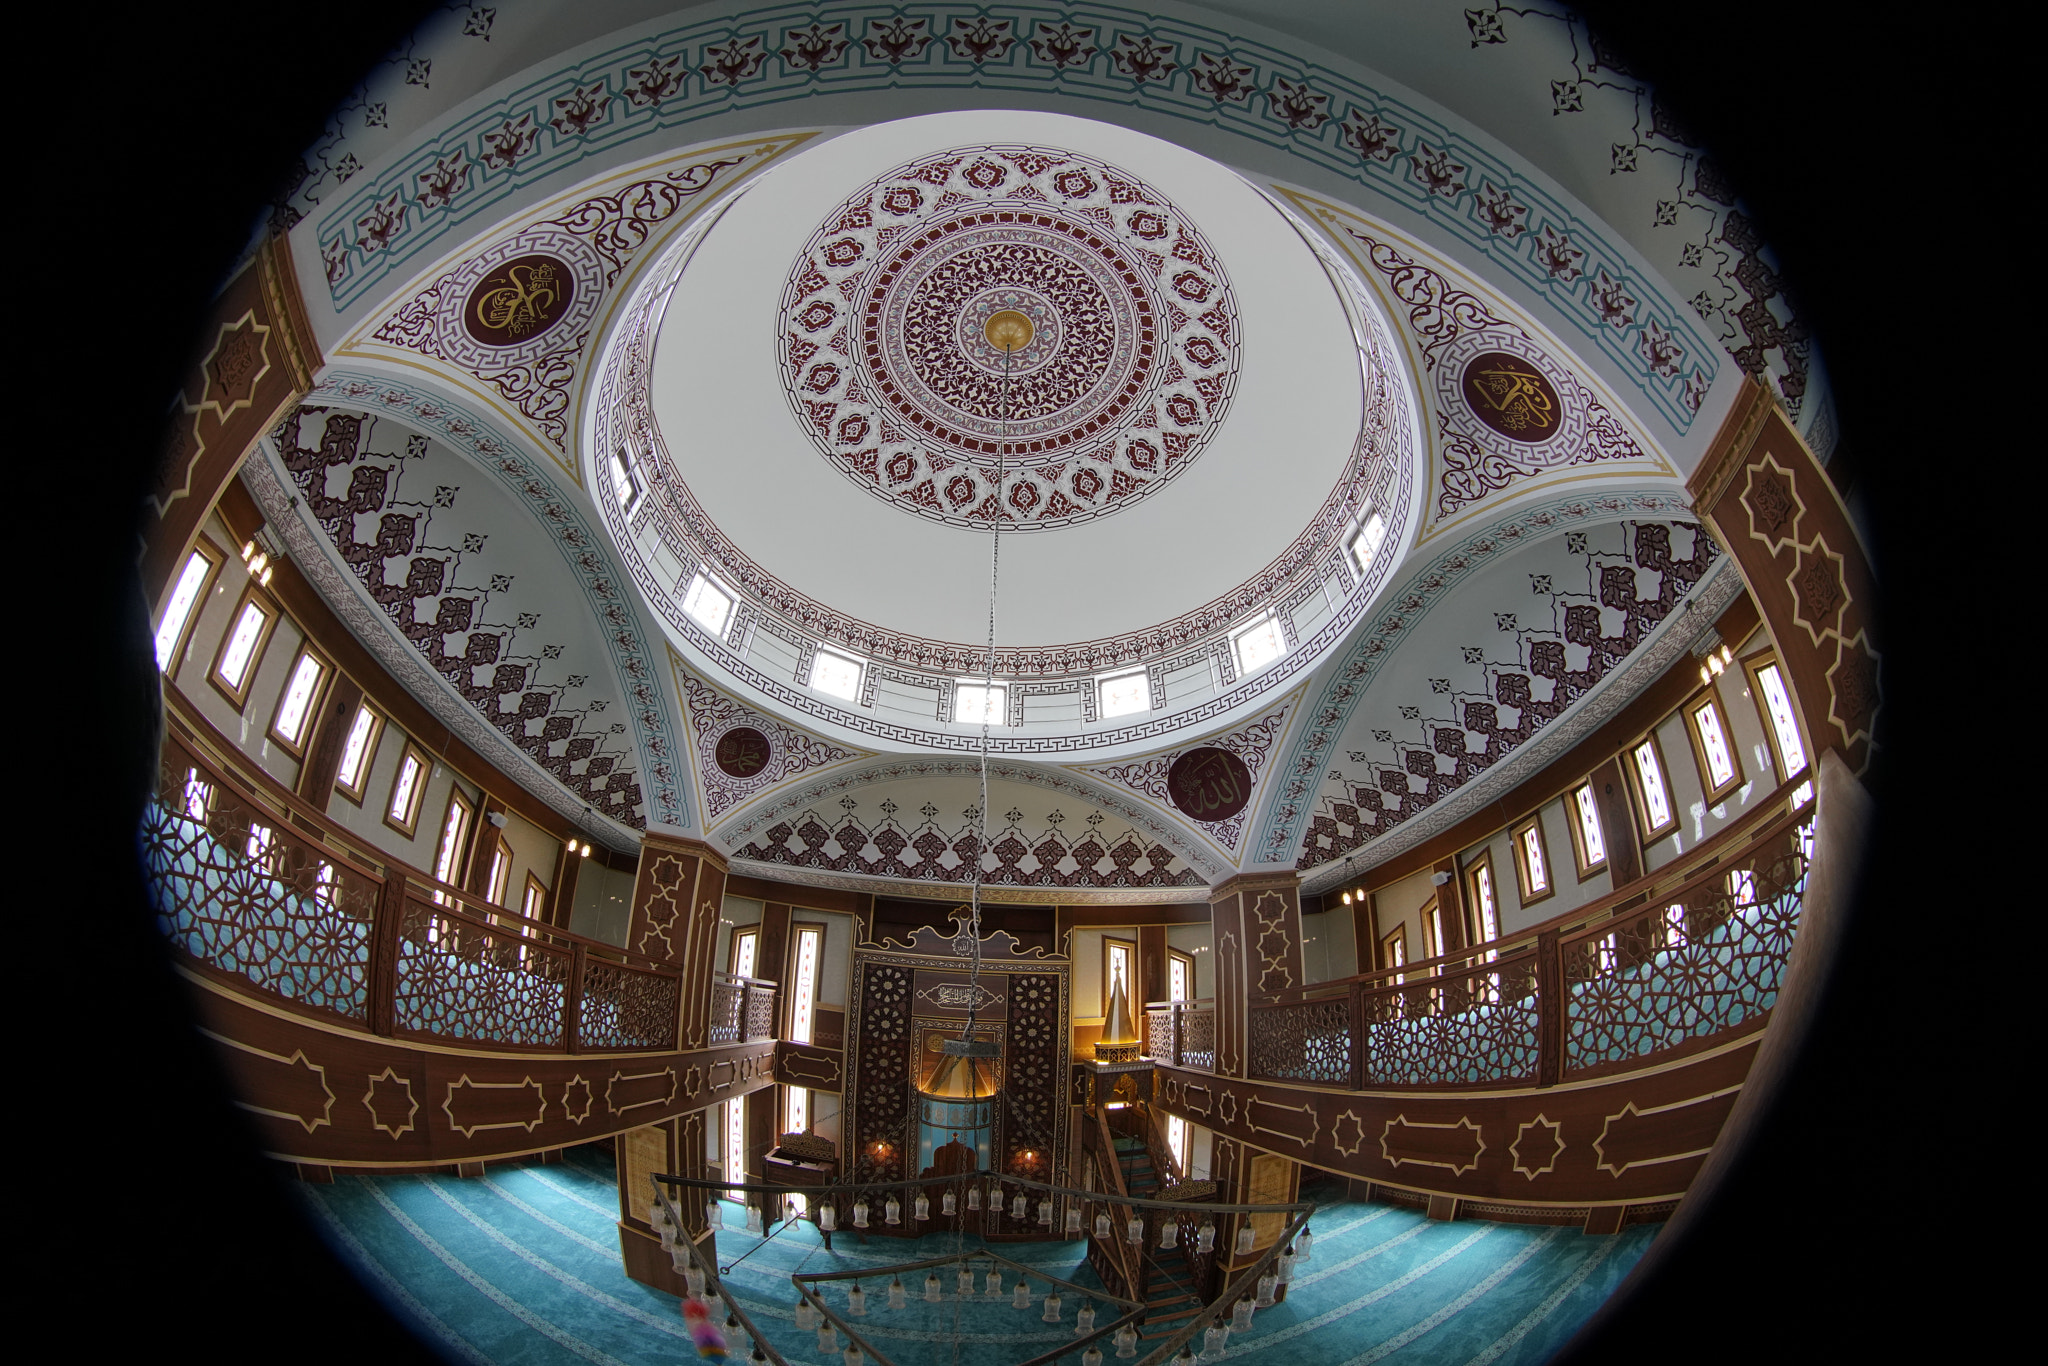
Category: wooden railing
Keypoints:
(1111, 1256)
(742, 1008)
(260, 891)
(1673, 963)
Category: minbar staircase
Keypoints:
(1168, 1301)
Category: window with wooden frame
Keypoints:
(803, 994)
(454, 836)
(1119, 959)
(1653, 793)
(353, 773)
(1589, 842)
(1180, 976)
(1532, 860)
(1781, 722)
(796, 1110)
(735, 1146)
(241, 650)
(534, 904)
(746, 947)
(1432, 929)
(500, 875)
(181, 607)
(1713, 746)
(408, 790)
(300, 702)
(1394, 952)
(1485, 902)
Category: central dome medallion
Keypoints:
(1018, 316)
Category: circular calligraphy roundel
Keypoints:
(1512, 396)
(1209, 784)
(1013, 332)
(742, 752)
(518, 300)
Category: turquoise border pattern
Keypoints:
(1405, 157)
(584, 549)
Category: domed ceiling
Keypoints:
(770, 328)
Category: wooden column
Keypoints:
(1365, 933)
(329, 738)
(257, 359)
(677, 896)
(1776, 512)
(482, 845)
(1152, 977)
(1618, 824)
(562, 896)
(1450, 900)
(1256, 929)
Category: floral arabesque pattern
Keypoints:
(890, 373)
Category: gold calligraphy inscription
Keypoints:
(518, 300)
(1509, 395)
(742, 752)
(1209, 784)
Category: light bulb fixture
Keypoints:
(1102, 1225)
(995, 1283)
(1169, 1234)
(828, 1217)
(1286, 1266)
(757, 1354)
(1267, 1283)
(923, 1207)
(1187, 1355)
(931, 1287)
(947, 1204)
(678, 1260)
(1092, 1357)
(1052, 1307)
(693, 1277)
(893, 1211)
(1245, 1239)
(964, 1283)
(1134, 1231)
(1017, 1206)
(806, 1316)
(1022, 1298)
(586, 848)
(1127, 1341)
(828, 1343)
(1084, 1320)
(852, 1355)
(1705, 677)
(857, 1301)
(266, 578)
(1303, 1244)
(753, 1218)
(860, 1213)
(714, 1217)
(1045, 1212)
(1213, 1338)
(1205, 1237)
(974, 1197)
(1241, 1314)
(1347, 896)
(1073, 1220)
(1727, 655)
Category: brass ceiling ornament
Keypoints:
(1008, 330)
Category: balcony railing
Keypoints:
(1677, 962)
(258, 890)
(742, 1008)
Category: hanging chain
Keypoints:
(988, 678)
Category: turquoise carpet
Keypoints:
(522, 1266)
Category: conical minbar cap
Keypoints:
(1117, 1028)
